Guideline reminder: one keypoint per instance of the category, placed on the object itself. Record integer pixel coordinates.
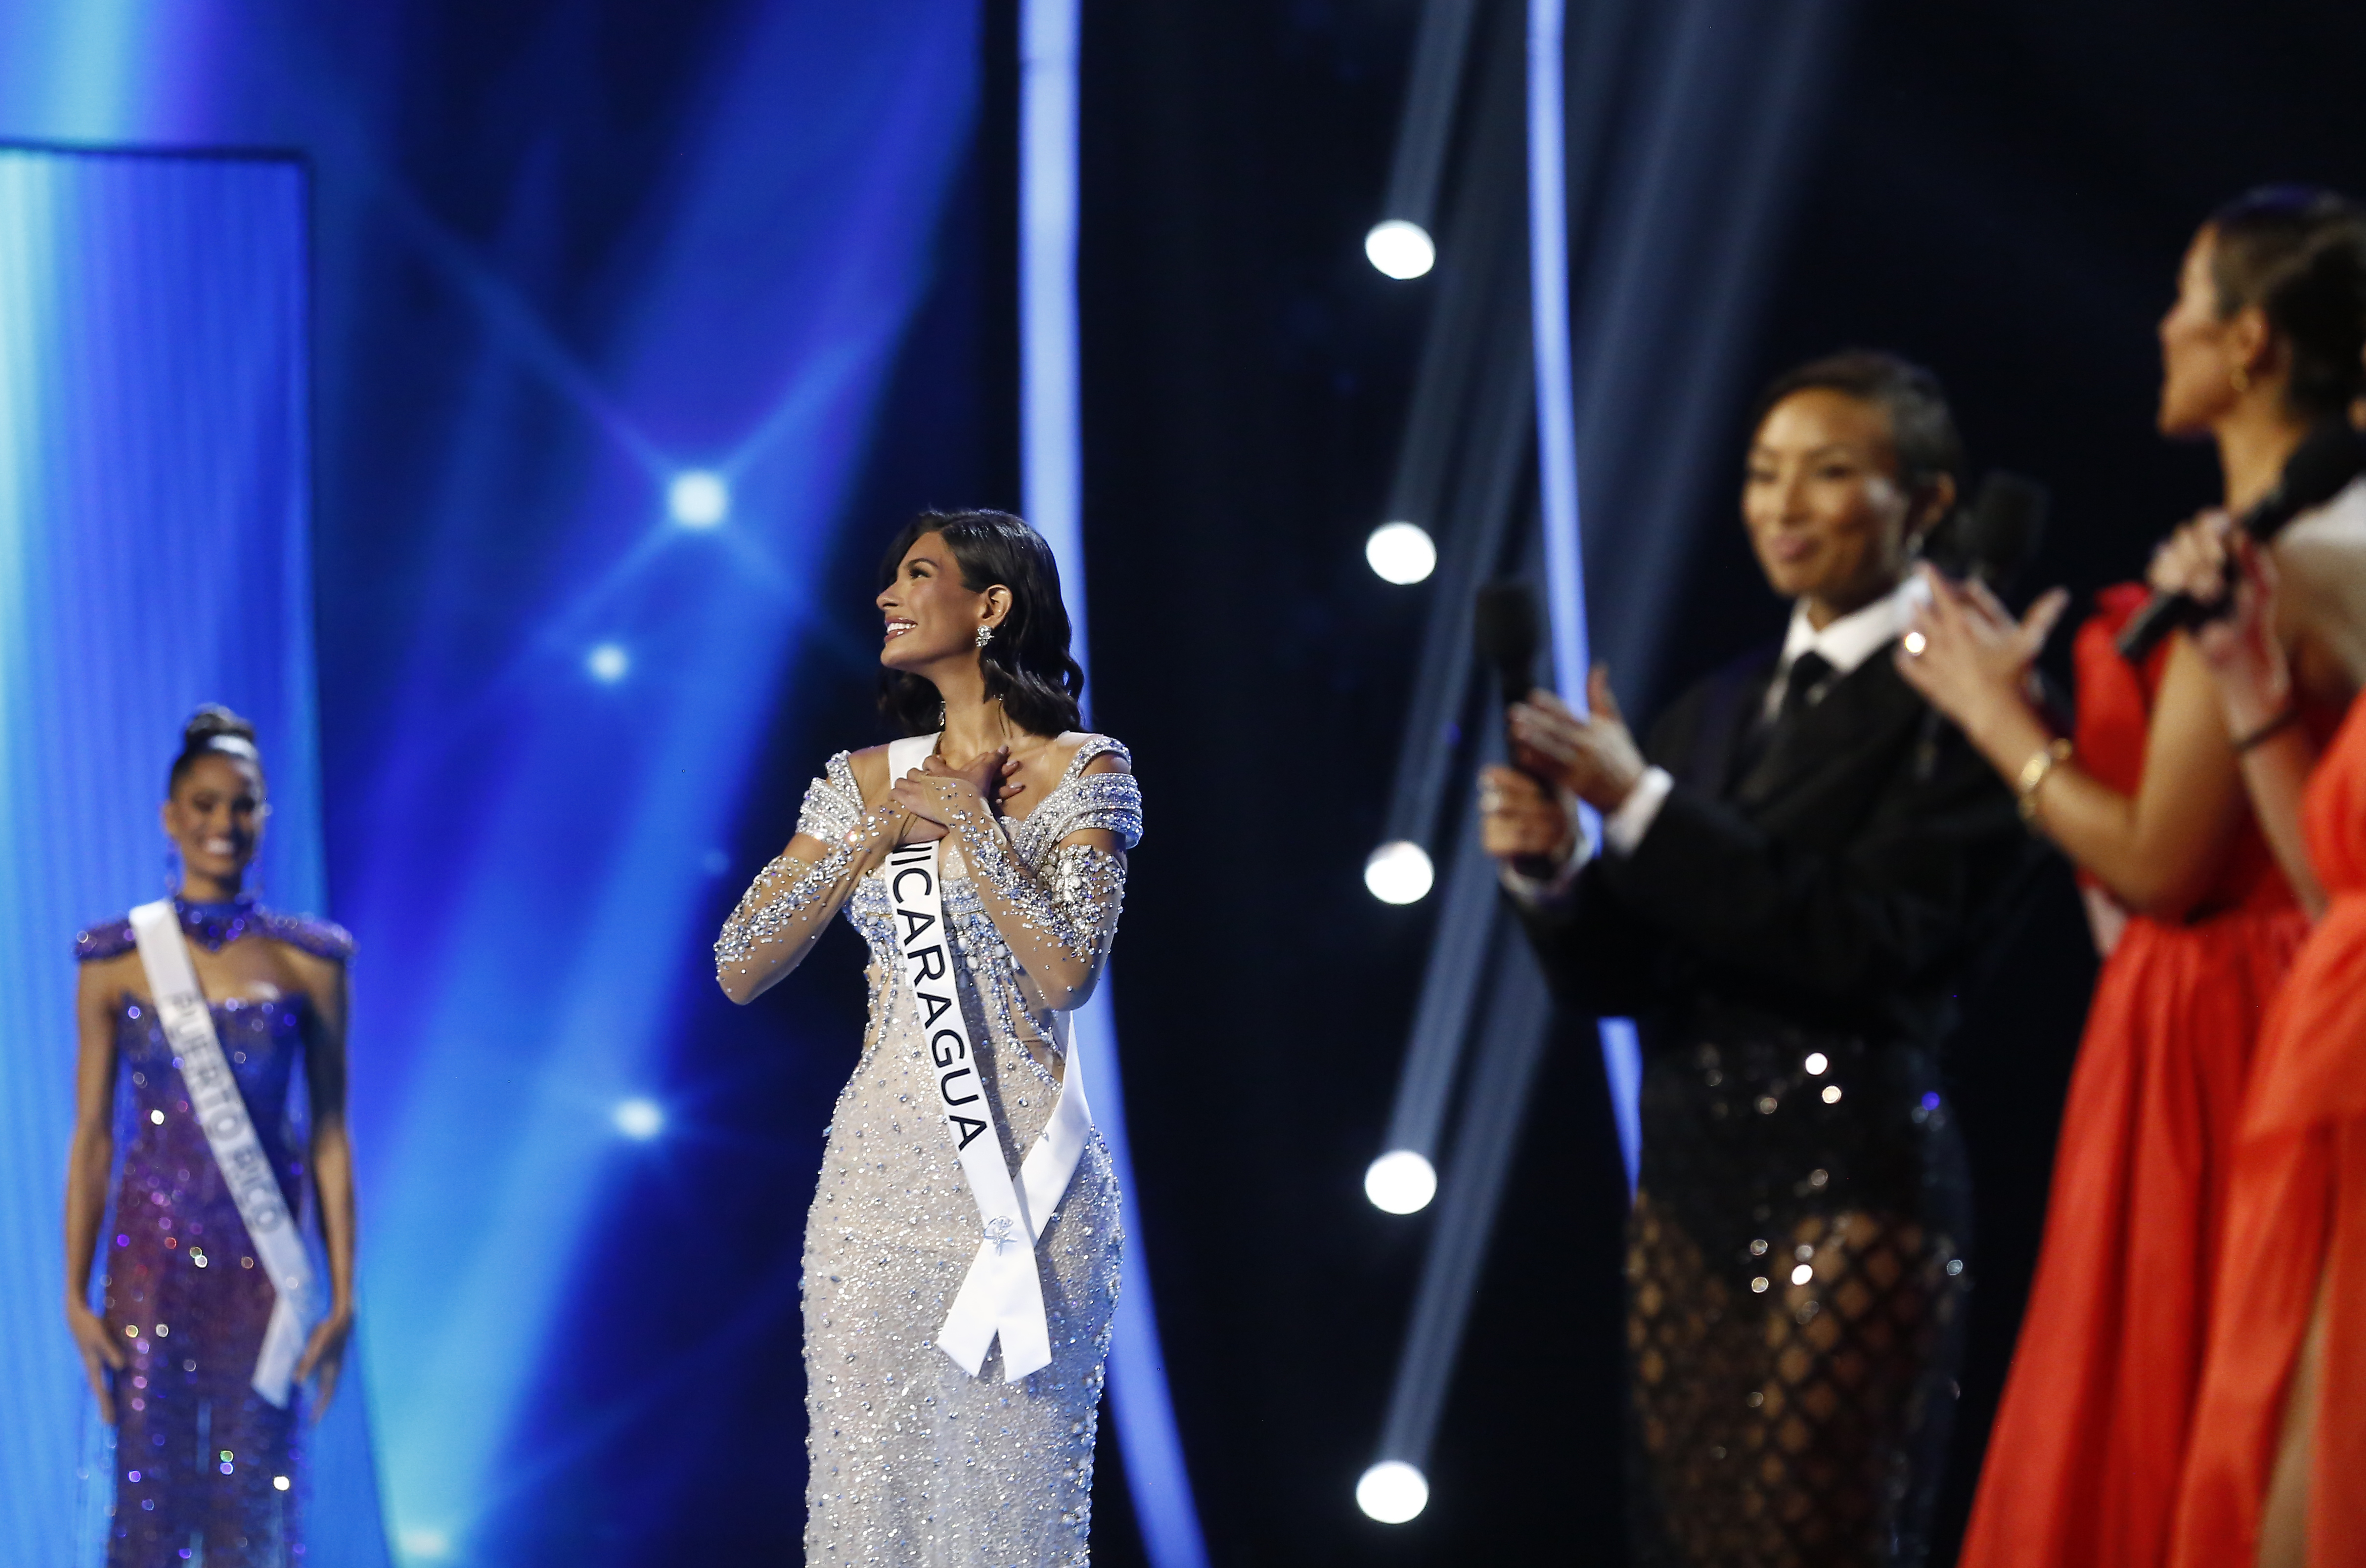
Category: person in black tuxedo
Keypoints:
(1796, 874)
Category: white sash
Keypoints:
(220, 1110)
(1003, 1292)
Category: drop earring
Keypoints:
(985, 636)
(2241, 379)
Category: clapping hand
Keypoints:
(1593, 758)
(1967, 655)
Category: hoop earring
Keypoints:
(2241, 379)
(985, 636)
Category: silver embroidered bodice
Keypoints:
(913, 1462)
(1081, 889)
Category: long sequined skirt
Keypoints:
(200, 1457)
(911, 1459)
(1794, 1303)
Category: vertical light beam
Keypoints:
(1051, 458)
(1422, 136)
(1051, 454)
(1557, 458)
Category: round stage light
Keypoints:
(1392, 1492)
(1401, 1181)
(608, 664)
(1400, 248)
(1400, 552)
(698, 499)
(1398, 872)
(639, 1119)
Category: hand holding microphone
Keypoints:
(2216, 566)
(2320, 467)
(1523, 819)
(1528, 811)
(1591, 755)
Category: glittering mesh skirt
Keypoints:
(1795, 1285)
(913, 1464)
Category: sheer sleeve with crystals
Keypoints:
(793, 899)
(1052, 886)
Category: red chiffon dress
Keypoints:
(2296, 1217)
(2083, 1463)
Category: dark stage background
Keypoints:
(2001, 190)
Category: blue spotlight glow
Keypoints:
(425, 1545)
(154, 449)
(697, 499)
(608, 664)
(805, 238)
(1557, 460)
(639, 1119)
(1051, 427)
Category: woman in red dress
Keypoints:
(2196, 921)
(2279, 1445)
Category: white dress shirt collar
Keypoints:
(1856, 637)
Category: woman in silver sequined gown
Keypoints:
(911, 1459)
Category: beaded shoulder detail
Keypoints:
(109, 939)
(215, 926)
(833, 803)
(1110, 801)
(321, 939)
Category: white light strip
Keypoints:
(1052, 456)
(1548, 302)
(1557, 456)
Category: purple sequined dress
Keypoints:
(199, 1455)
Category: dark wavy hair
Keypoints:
(2299, 254)
(213, 730)
(1027, 663)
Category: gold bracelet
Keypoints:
(2040, 763)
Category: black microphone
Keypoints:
(1996, 535)
(2320, 467)
(1506, 630)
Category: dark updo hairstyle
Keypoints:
(2299, 254)
(1921, 428)
(1027, 662)
(213, 730)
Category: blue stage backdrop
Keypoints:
(580, 663)
(616, 308)
(155, 554)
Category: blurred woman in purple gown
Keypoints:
(207, 1461)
